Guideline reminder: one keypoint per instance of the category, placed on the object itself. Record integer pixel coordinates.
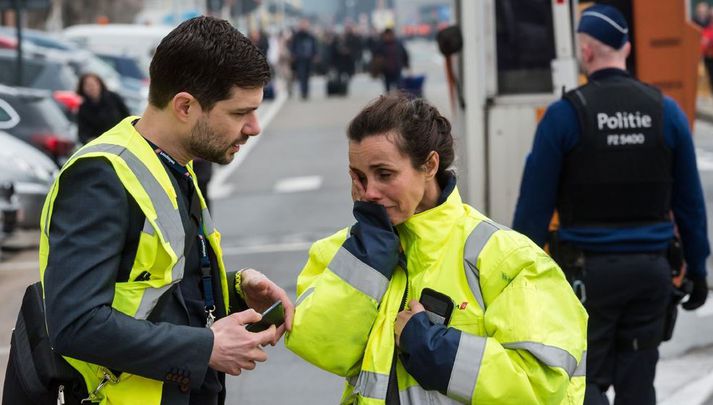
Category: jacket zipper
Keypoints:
(394, 399)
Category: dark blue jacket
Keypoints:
(557, 134)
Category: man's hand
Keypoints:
(404, 316)
(698, 295)
(234, 348)
(260, 293)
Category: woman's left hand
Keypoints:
(404, 316)
(261, 292)
(358, 190)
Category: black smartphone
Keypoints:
(438, 306)
(275, 315)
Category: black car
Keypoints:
(33, 116)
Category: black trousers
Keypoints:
(627, 296)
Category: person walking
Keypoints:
(303, 48)
(389, 59)
(615, 158)
(137, 297)
(100, 110)
(425, 300)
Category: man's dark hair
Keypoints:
(419, 129)
(205, 57)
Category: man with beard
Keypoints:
(137, 297)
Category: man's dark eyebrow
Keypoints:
(244, 110)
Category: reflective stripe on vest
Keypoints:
(466, 367)
(168, 219)
(475, 244)
(581, 370)
(549, 355)
(358, 274)
(370, 385)
(416, 395)
(304, 295)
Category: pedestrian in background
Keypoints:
(702, 15)
(137, 296)
(615, 158)
(503, 325)
(303, 48)
(389, 59)
(100, 110)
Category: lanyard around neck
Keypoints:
(206, 271)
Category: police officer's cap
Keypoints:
(605, 24)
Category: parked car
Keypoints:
(42, 72)
(33, 117)
(8, 209)
(30, 172)
(40, 43)
(137, 41)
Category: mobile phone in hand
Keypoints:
(439, 306)
(275, 315)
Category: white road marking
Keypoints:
(297, 184)
(218, 188)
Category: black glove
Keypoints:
(373, 240)
(698, 295)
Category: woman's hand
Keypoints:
(260, 292)
(404, 316)
(358, 190)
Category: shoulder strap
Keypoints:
(474, 245)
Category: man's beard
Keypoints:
(206, 144)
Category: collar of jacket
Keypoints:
(425, 234)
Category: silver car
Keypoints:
(31, 172)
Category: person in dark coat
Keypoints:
(100, 110)
(304, 50)
(390, 58)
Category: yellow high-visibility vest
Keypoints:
(159, 252)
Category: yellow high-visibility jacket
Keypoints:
(160, 252)
(517, 333)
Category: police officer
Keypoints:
(615, 158)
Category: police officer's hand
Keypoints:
(260, 293)
(404, 316)
(698, 295)
(234, 347)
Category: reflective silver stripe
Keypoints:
(416, 395)
(208, 224)
(358, 274)
(550, 355)
(168, 218)
(371, 385)
(303, 296)
(148, 228)
(581, 370)
(353, 380)
(474, 245)
(466, 367)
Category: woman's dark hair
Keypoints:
(205, 57)
(420, 129)
(83, 78)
